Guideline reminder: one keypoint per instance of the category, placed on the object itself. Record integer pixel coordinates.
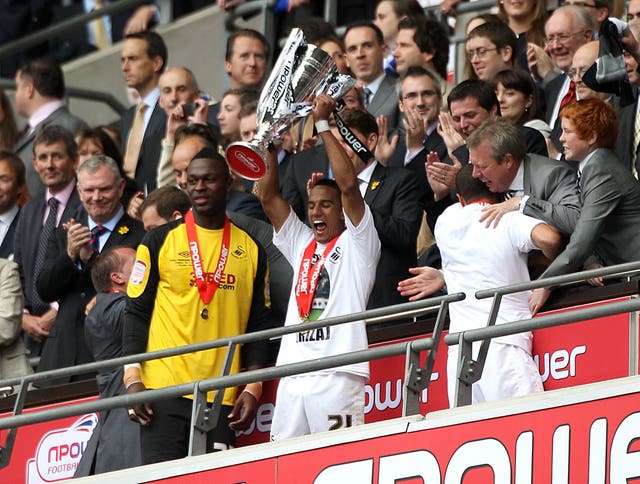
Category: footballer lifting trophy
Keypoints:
(301, 70)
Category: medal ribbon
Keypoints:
(205, 288)
(306, 286)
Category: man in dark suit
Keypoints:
(534, 185)
(99, 224)
(55, 160)
(365, 51)
(391, 193)
(12, 188)
(142, 127)
(39, 95)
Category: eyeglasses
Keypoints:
(412, 96)
(561, 38)
(574, 73)
(481, 53)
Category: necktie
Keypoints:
(578, 181)
(94, 240)
(135, 141)
(367, 97)
(98, 29)
(569, 97)
(38, 306)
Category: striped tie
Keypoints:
(94, 240)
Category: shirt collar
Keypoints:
(63, 195)
(375, 85)
(43, 112)
(365, 175)
(152, 97)
(8, 216)
(517, 184)
(584, 162)
(111, 223)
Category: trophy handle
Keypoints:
(246, 160)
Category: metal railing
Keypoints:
(203, 416)
(470, 370)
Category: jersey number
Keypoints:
(339, 421)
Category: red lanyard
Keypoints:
(206, 290)
(306, 286)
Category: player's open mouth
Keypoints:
(319, 226)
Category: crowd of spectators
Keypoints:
(531, 121)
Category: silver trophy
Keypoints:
(301, 70)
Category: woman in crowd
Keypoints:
(8, 127)
(526, 18)
(518, 98)
(608, 230)
(228, 117)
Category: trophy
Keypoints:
(301, 70)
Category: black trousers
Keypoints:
(167, 436)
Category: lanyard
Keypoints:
(306, 285)
(206, 287)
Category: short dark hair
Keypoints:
(209, 153)
(520, 80)
(365, 23)
(245, 95)
(253, 34)
(201, 131)
(109, 261)
(361, 120)
(16, 165)
(54, 133)
(155, 45)
(167, 200)
(109, 147)
(482, 91)
(46, 75)
(470, 188)
(499, 34)
(248, 109)
(431, 38)
(419, 71)
(315, 29)
(328, 182)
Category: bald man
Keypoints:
(584, 58)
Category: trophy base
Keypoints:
(246, 160)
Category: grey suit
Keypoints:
(24, 146)
(609, 222)
(385, 101)
(13, 355)
(553, 195)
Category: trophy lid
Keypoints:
(245, 160)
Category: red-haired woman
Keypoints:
(608, 230)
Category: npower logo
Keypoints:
(59, 451)
(246, 161)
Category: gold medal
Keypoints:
(204, 314)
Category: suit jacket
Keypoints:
(433, 142)
(625, 148)
(245, 203)
(551, 93)
(24, 146)
(63, 281)
(609, 222)
(395, 204)
(13, 355)
(7, 245)
(147, 168)
(74, 43)
(385, 101)
(27, 238)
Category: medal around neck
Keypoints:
(301, 70)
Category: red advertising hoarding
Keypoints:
(568, 355)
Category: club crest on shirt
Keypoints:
(239, 252)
